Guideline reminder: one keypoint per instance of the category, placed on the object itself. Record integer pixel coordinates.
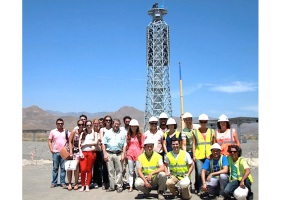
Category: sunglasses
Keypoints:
(203, 122)
(80, 124)
(154, 123)
(232, 151)
(88, 125)
(108, 120)
(60, 123)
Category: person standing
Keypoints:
(163, 118)
(74, 152)
(83, 118)
(214, 174)
(202, 142)
(187, 134)
(239, 173)
(180, 165)
(156, 135)
(97, 168)
(171, 134)
(135, 146)
(56, 141)
(151, 171)
(126, 120)
(225, 135)
(87, 142)
(107, 125)
(114, 147)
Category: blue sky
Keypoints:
(91, 55)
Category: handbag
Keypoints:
(65, 150)
(70, 165)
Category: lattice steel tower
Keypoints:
(158, 94)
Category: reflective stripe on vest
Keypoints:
(212, 166)
(178, 167)
(203, 148)
(240, 171)
(166, 134)
(151, 165)
(231, 141)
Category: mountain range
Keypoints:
(35, 117)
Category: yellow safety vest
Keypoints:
(178, 167)
(166, 134)
(151, 165)
(212, 165)
(240, 171)
(203, 148)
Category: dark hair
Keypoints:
(85, 131)
(83, 116)
(79, 121)
(227, 125)
(176, 139)
(126, 117)
(129, 134)
(235, 147)
(101, 119)
(175, 126)
(59, 119)
(104, 120)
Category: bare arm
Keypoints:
(193, 148)
(50, 145)
(190, 169)
(71, 142)
(184, 144)
(164, 146)
(236, 140)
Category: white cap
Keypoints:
(163, 115)
(187, 115)
(171, 121)
(241, 193)
(153, 119)
(134, 122)
(223, 118)
(149, 141)
(216, 146)
(203, 117)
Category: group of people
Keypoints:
(111, 156)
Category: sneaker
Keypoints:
(52, 185)
(220, 197)
(110, 189)
(160, 196)
(204, 195)
(96, 186)
(119, 189)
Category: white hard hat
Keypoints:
(149, 141)
(216, 146)
(187, 115)
(203, 117)
(163, 115)
(241, 193)
(134, 122)
(171, 121)
(223, 118)
(184, 183)
(153, 119)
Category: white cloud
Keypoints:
(236, 87)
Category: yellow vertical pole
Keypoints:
(181, 97)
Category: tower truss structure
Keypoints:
(158, 94)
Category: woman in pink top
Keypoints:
(135, 146)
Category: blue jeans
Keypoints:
(199, 163)
(58, 161)
(231, 186)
